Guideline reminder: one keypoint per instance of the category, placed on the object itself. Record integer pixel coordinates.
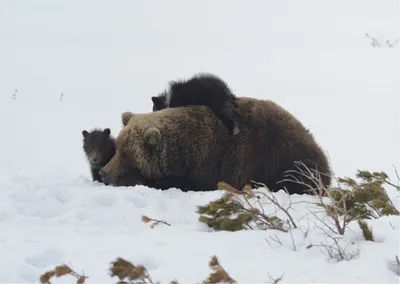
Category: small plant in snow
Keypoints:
(366, 199)
(367, 231)
(129, 273)
(242, 210)
(352, 200)
(60, 271)
(219, 275)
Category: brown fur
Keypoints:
(126, 116)
(190, 141)
(176, 155)
(272, 141)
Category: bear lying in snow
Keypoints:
(192, 143)
(99, 148)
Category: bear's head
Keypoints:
(136, 153)
(98, 146)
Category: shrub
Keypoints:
(241, 210)
(365, 199)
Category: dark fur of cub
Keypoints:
(99, 148)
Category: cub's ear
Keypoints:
(85, 133)
(107, 132)
(152, 136)
(126, 116)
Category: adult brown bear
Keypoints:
(190, 142)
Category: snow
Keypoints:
(311, 57)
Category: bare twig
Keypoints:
(275, 281)
(397, 173)
(293, 242)
(395, 265)
(276, 203)
(315, 184)
(321, 192)
(266, 220)
(306, 232)
(336, 251)
(276, 239)
(14, 95)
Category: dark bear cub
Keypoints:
(159, 101)
(99, 148)
(202, 89)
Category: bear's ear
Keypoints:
(152, 136)
(126, 116)
(85, 133)
(155, 100)
(107, 132)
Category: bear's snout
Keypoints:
(111, 172)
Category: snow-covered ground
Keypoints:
(106, 57)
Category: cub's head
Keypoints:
(159, 102)
(136, 156)
(98, 146)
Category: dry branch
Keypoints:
(275, 281)
(273, 199)
(155, 222)
(321, 192)
(335, 249)
(395, 265)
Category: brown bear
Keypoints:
(191, 142)
(99, 148)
